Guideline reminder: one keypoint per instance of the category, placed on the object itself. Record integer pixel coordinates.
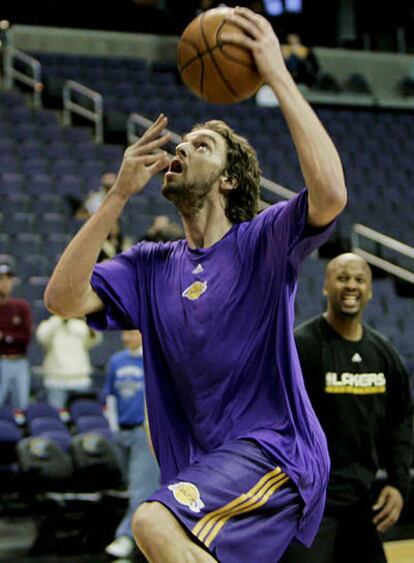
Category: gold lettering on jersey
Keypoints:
(355, 383)
(187, 494)
(195, 290)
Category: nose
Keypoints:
(351, 283)
(181, 150)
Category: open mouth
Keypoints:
(350, 299)
(175, 166)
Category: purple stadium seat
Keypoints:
(90, 423)
(6, 413)
(85, 407)
(41, 410)
(9, 433)
(41, 424)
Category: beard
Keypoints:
(189, 197)
(345, 313)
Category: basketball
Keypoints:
(216, 72)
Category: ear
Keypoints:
(227, 183)
(325, 291)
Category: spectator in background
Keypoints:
(163, 230)
(83, 210)
(115, 243)
(360, 392)
(124, 394)
(300, 60)
(15, 332)
(66, 367)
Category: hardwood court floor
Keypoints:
(401, 551)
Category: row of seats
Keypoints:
(58, 449)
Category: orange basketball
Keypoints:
(217, 72)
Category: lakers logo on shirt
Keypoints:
(188, 495)
(355, 383)
(195, 290)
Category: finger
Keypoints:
(244, 16)
(155, 129)
(381, 500)
(387, 509)
(151, 145)
(387, 522)
(248, 15)
(139, 148)
(149, 158)
(159, 165)
(237, 39)
(380, 516)
(247, 26)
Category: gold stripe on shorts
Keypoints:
(210, 525)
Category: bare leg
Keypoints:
(162, 539)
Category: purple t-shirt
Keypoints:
(219, 352)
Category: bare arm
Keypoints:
(319, 160)
(69, 292)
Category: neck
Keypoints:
(205, 227)
(135, 351)
(349, 328)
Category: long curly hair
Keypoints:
(243, 166)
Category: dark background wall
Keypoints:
(387, 26)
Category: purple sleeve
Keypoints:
(116, 283)
(289, 229)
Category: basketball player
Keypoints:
(243, 459)
(361, 394)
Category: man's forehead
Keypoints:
(206, 133)
(350, 266)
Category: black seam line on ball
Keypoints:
(197, 56)
(234, 59)
(218, 69)
(231, 58)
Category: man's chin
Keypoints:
(350, 313)
(170, 191)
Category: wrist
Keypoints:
(118, 196)
(282, 78)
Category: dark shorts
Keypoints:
(340, 540)
(236, 503)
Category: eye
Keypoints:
(203, 146)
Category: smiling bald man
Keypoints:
(360, 392)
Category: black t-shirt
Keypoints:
(360, 393)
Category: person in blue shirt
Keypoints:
(124, 395)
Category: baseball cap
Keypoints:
(6, 269)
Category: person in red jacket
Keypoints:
(15, 332)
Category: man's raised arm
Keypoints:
(69, 292)
(319, 159)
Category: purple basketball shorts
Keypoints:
(236, 503)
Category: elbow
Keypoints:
(52, 301)
(325, 209)
(336, 199)
(343, 198)
(339, 202)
